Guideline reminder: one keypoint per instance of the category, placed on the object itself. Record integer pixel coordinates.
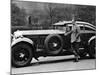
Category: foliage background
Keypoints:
(43, 15)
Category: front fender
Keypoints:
(21, 39)
(92, 38)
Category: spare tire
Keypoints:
(53, 44)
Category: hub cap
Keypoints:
(54, 43)
(21, 55)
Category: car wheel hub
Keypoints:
(21, 55)
(55, 44)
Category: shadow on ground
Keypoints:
(56, 61)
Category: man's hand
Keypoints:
(67, 33)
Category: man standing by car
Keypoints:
(75, 39)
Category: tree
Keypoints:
(87, 14)
(50, 10)
(18, 16)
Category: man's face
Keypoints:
(67, 28)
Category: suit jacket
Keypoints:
(75, 35)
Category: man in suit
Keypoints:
(75, 39)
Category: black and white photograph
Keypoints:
(52, 37)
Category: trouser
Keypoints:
(75, 49)
(75, 46)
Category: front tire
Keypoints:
(21, 55)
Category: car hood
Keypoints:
(38, 32)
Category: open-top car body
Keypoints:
(51, 42)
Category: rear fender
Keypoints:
(92, 38)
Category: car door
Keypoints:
(89, 31)
(82, 31)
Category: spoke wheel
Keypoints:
(92, 49)
(53, 44)
(21, 55)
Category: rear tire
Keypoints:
(92, 49)
(21, 55)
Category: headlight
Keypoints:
(17, 34)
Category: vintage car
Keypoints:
(27, 44)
